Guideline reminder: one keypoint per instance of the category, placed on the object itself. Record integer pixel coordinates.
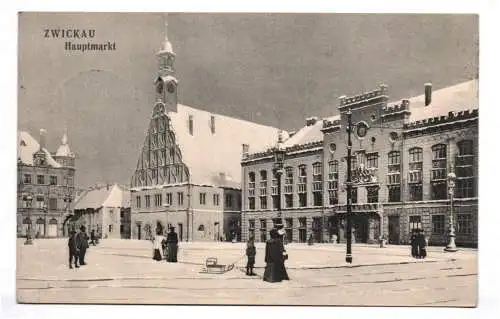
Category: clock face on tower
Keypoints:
(159, 87)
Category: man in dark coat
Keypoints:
(172, 245)
(250, 252)
(82, 243)
(422, 250)
(92, 237)
(275, 259)
(73, 251)
(414, 243)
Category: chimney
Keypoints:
(428, 93)
(42, 138)
(245, 149)
(212, 124)
(191, 124)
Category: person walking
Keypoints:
(92, 237)
(250, 252)
(275, 259)
(73, 251)
(414, 243)
(172, 245)
(157, 245)
(422, 244)
(82, 243)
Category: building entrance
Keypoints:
(394, 230)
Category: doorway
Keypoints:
(181, 230)
(139, 231)
(394, 230)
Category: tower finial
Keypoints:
(64, 139)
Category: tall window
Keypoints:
(372, 160)
(27, 179)
(317, 188)
(216, 199)
(138, 201)
(302, 186)
(274, 190)
(229, 200)
(394, 176)
(203, 198)
(438, 172)
(438, 227)
(263, 230)
(251, 228)
(263, 190)
(251, 190)
(464, 224)
(354, 195)
(180, 198)
(159, 199)
(52, 203)
(288, 187)
(148, 200)
(168, 199)
(333, 183)
(464, 169)
(40, 179)
(415, 222)
(415, 174)
(53, 180)
(372, 194)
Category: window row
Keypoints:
(42, 180)
(464, 224)
(169, 200)
(39, 202)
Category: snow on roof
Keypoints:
(309, 134)
(27, 146)
(460, 97)
(105, 196)
(214, 158)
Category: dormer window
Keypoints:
(22, 143)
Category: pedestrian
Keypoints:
(92, 237)
(157, 245)
(251, 252)
(310, 241)
(73, 251)
(82, 243)
(275, 259)
(172, 245)
(414, 243)
(421, 242)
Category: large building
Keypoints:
(45, 186)
(188, 171)
(402, 153)
(104, 209)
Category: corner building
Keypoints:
(402, 153)
(188, 173)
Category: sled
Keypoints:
(212, 267)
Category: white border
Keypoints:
(489, 55)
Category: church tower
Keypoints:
(64, 156)
(166, 82)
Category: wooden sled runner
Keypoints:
(212, 267)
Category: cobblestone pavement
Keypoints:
(122, 271)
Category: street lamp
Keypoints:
(279, 159)
(29, 239)
(451, 247)
(348, 255)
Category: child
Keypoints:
(251, 252)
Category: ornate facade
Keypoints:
(402, 154)
(45, 186)
(188, 171)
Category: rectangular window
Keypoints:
(263, 230)
(317, 188)
(415, 222)
(302, 230)
(148, 200)
(464, 224)
(439, 190)
(302, 184)
(372, 194)
(180, 198)
(333, 175)
(464, 169)
(274, 184)
(438, 227)
(251, 203)
(276, 203)
(40, 179)
(464, 188)
(138, 201)
(168, 199)
(122, 229)
(318, 199)
(203, 198)
(229, 200)
(394, 193)
(394, 168)
(288, 200)
(52, 203)
(372, 160)
(263, 202)
(110, 228)
(159, 200)
(354, 196)
(216, 199)
(415, 192)
(263, 183)
(27, 179)
(122, 214)
(53, 180)
(288, 180)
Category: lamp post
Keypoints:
(279, 159)
(451, 247)
(67, 201)
(348, 255)
(29, 239)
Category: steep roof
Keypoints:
(27, 146)
(214, 158)
(459, 97)
(105, 196)
(309, 133)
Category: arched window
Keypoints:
(464, 170)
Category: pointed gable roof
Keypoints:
(105, 196)
(27, 146)
(215, 158)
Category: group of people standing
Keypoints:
(166, 248)
(77, 244)
(418, 244)
(275, 257)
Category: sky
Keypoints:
(273, 69)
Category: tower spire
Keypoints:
(64, 139)
(167, 46)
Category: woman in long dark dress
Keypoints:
(172, 245)
(275, 259)
(414, 244)
(422, 245)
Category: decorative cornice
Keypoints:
(440, 123)
(311, 146)
(367, 98)
(330, 126)
(396, 110)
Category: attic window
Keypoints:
(191, 124)
(22, 143)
